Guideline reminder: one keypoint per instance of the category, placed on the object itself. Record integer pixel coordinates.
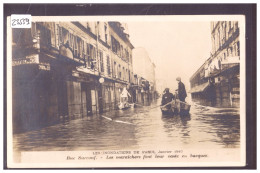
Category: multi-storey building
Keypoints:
(144, 69)
(216, 82)
(68, 69)
(121, 55)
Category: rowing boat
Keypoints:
(176, 107)
(125, 105)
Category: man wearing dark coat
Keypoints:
(167, 97)
(181, 90)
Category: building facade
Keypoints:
(217, 81)
(144, 69)
(64, 70)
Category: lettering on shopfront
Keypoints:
(31, 59)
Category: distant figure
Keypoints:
(124, 95)
(181, 90)
(167, 97)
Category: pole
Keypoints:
(129, 78)
(97, 61)
(129, 72)
(97, 32)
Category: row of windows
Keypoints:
(102, 29)
(55, 36)
(120, 50)
(80, 48)
(233, 50)
(122, 73)
(83, 50)
(103, 34)
(228, 24)
(222, 33)
(25, 36)
(230, 52)
(88, 51)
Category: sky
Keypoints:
(176, 48)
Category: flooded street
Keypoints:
(86, 91)
(141, 127)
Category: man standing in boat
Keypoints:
(167, 97)
(181, 90)
(124, 97)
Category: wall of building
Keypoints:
(226, 46)
(143, 65)
(123, 69)
(63, 80)
(144, 68)
(222, 68)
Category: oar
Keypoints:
(155, 107)
(149, 108)
(166, 104)
(160, 105)
(118, 121)
(182, 102)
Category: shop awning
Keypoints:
(199, 88)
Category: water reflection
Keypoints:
(222, 126)
(173, 123)
(142, 127)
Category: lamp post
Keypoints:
(101, 79)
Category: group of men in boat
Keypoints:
(180, 93)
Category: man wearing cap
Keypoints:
(167, 97)
(181, 90)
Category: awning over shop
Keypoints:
(199, 88)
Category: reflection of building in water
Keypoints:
(227, 128)
(216, 82)
(68, 69)
(230, 138)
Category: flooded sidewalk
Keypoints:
(142, 127)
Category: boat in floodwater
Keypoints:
(125, 105)
(175, 107)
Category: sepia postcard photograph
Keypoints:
(126, 91)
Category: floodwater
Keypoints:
(141, 127)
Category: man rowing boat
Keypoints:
(167, 97)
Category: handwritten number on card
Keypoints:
(23, 21)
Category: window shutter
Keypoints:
(61, 38)
(69, 40)
(83, 49)
(75, 46)
(33, 30)
(57, 32)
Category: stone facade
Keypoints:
(144, 69)
(64, 70)
(217, 81)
